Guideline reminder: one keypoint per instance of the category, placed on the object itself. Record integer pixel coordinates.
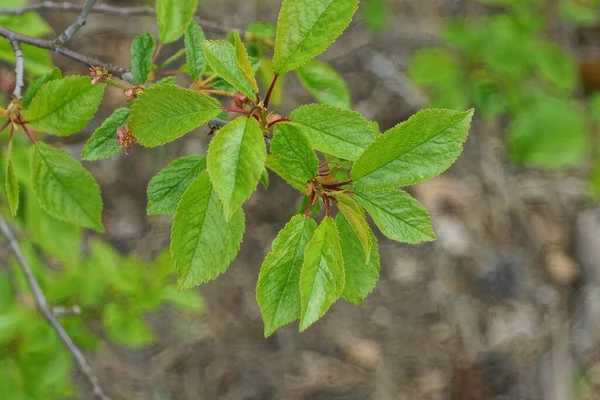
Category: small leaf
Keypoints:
(305, 28)
(324, 83)
(142, 52)
(376, 14)
(398, 216)
(332, 130)
(166, 188)
(413, 151)
(166, 112)
(63, 107)
(322, 274)
(293, 182)
(293, 153)
(359, 226)
(235, 161)
(361, 277)
(35, 87)
(203, 243)
(241, 55)
(103, 142)
(65, 189)
(11, 183)
(124, 328)
(174, 17)
(196, 63)
(557, 66)
(278, 287)
(222, 58)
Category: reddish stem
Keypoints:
(311, 203)
(4, 125)
(284, 119)
(157, 53)
(235, 110)
(327, 204)
(336, 185)
(270, 91)
(27, 130)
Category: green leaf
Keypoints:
(324, 83)
(222, 58)
(103, 142)
(359, 227)
(174, 17)
(361, 276)
(550, 133)
(63, 107)
(322, 274)
(11, 183)
(305, 28)
(261, 31)
(278, 287)
(398, 216)
(293, 153)
(376, 13)
(125, 328)
(203, 243)
(142, 52)
(166, 188)
(65, 189)
(332, 130)
(557, 66)
(166, 112)
(35, 87)
(293, 182)
(435, 67)
(196, 63)
(264, 178)
(235, 161)
(241, 55)
(413, 151)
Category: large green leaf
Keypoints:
(65, 189)
(103, 142)
(322, 274)
(332, 130)
(142, 52)
(413, 151)
(35, 87)
(359, 226)
(361, 276)
(549, 133)
(166, 188)
(196, 63)
(398, 216)
(293, 153)
(203, 243)
(166, 112)
(278, 288)
(222, 58)
(241, 55)
(305, 28)
(11, 182)
(324, 83)
(174, 17)
(64, 106)
(235, 161)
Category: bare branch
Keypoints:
(19, 69)
(75, 26)
(42, 305)
(105, 9)
(119, 72)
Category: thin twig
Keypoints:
(42, 305)
(105, 9)
(119, 72)
(19, 69)
(75, 26)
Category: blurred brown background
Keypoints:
(504, 306)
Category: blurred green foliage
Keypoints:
(504, 64)
(113, 292)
